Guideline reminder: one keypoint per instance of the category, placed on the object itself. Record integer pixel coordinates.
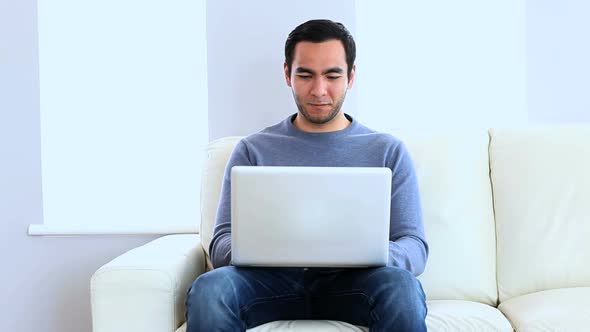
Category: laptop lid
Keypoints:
(310, 216)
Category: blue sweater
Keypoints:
(285, 145)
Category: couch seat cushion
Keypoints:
(303, 326)
(308, 326)
(566, 309)
(443, 315)
(452, 315)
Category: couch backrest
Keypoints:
(541, 184)
(453, 175)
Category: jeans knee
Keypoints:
(400, 285)
(209, 287)
(211, 303)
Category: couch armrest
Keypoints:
(144, 289)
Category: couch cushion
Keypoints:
(453, 175)
(541, 183)
(464, 316)
(308, 326)
(303, 326)
(566, 309)
(442, 316)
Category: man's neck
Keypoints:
(339, 122)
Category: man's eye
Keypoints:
(334, 77)
(304, 76)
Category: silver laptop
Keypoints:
(310, 216)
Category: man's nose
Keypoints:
(319, 87)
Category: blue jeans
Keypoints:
(238, 298)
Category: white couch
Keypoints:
(507, 217)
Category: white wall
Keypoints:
(245, 43)
(558, 60)
(441, 64)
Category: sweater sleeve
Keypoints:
(220, 247)
(407, 242)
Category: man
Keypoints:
(319, 67)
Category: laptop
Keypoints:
(310, 216)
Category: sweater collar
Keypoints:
(294, 131)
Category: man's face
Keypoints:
(319, 79)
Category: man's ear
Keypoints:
(351, 76)
(287, 74)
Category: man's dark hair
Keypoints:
(317, 31)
